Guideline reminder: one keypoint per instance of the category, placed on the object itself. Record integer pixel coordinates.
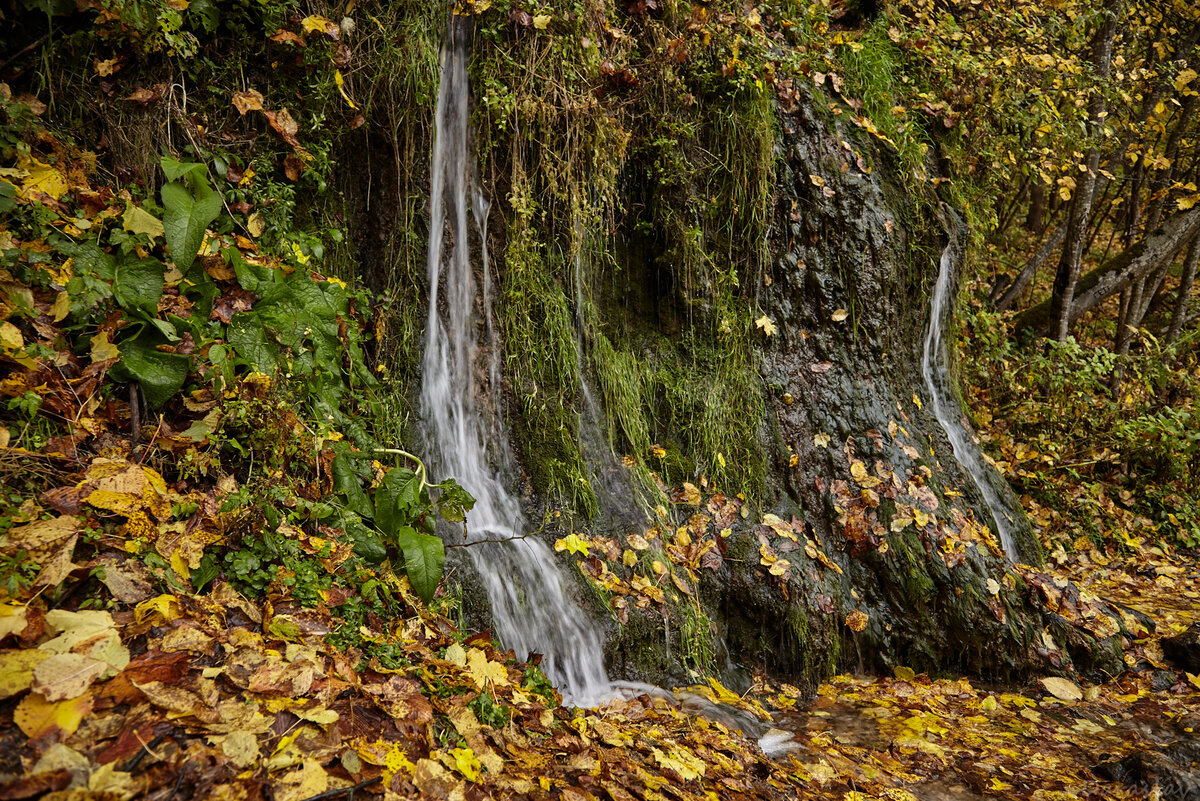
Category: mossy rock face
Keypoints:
(634, 270)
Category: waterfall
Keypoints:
(531, 609)
(935, 370)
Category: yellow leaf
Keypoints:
(691, 494)
(839, 315)
(1184, 78)
(42, 178)
(764, 323)
(916, 401)
(485, 672)
(457, 654)
(16, 670)
(38, 717)
(465, 762)
(139, 221)
(10, 337)
(340, 81)
(572, 543)
(61, 307)
(821, 440)
(540, 21)
(308, 780)
(681, 761)
(255, 224)
(318, 24)
(629, 558)
(723, 693)
(1063, 689)
(904, 673)
(102, 349)
(164, 606)
(857, 621)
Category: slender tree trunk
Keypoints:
(1006, 299)
(1184, 294)
(1071, 260)
(1035, 219)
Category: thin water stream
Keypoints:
(935, 370)
(532, 611)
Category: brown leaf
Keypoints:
(231, 302)
(282, 123)
(127, 579)
(35, 785)
(143, 96)
(288, 37)
(247, 101)
(820, 367)
(292, 167)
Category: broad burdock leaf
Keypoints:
(187, 212)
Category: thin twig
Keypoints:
(344, 790)
(35, 43)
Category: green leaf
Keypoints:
(8, 194)
(186, 216)
(174, 170)
(424, 559)
(250, 276)
(367, 544)
(347, 482)
(138, 286)
(249, 339)
(207, 571)
(399, 492)
(454, 502)
(161, 375)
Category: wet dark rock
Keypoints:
(1174, 772)
(1184, 650)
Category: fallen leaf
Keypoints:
(247, 101)
(1063, 689)
(38, 717)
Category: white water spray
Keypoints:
(935, 369)
(531, 609)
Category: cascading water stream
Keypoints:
(935, 370)
(531, 609)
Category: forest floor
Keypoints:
(212, 695)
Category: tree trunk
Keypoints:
(1035, 220)
(1023, 279)
(1184, 293)
(1071, 261)
(1148, 255)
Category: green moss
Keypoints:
(542, 366)
(696, 640)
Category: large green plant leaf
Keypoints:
(161, 375)
(248, 338)
(424, 559)
(399, 492)
(185, 216)
(367, 544)
(347, 482)
(139, 285)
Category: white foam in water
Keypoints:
(531, 609)
(935, 369)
